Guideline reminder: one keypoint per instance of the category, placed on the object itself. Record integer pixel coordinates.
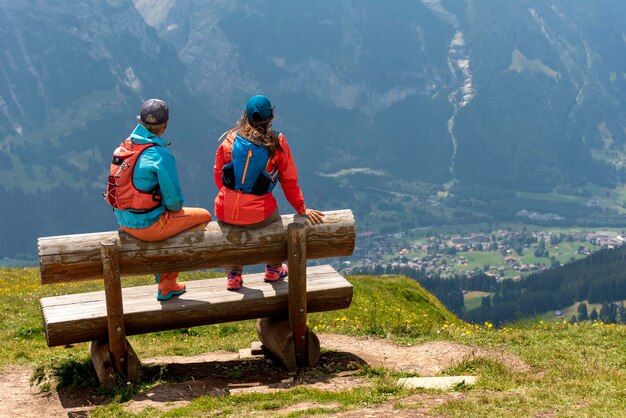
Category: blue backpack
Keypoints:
(250, 170)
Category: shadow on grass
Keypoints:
(77, 383)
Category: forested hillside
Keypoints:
(597, 279)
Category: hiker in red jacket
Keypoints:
(249, 162)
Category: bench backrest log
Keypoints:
(72, 258)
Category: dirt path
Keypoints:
(427, 359)
(19, 399)
(223, 372)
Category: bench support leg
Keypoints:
(296, 257)
(277, 339)
(103, 364)
(117, 345)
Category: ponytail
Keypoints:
(259, 133)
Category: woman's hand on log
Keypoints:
(314, 216)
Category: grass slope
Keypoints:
(576, 370)
(387, 306)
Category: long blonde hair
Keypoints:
(260, 133)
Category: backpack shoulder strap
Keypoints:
(229, 138)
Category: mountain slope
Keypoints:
(70, 86)
(505, 94)
(406, 105)
(545, 85)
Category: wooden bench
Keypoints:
(105, 318)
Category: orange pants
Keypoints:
(170, 224)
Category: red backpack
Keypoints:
(121, 192)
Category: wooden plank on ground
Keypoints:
(70, 319)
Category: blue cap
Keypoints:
(259, 109)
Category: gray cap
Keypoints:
(154, 112)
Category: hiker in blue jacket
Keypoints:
(144, 191)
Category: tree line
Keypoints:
(599, 278)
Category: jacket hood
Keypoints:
(143, 136)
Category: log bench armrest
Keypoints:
(72, 258)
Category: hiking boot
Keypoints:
(234, 281)
(273, 274)
(168, 288)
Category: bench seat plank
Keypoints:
(70, 319)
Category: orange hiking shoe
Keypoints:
(169, 288)
(273, 274)
(234, 281)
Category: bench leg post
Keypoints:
(296, 253)
(123, 358)
(277, 339)
(102, 361)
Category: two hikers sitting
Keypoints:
(144, 190)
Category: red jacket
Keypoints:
(244, 208)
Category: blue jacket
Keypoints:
(156, 166)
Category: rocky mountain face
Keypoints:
(517, 96)
(490, 92)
